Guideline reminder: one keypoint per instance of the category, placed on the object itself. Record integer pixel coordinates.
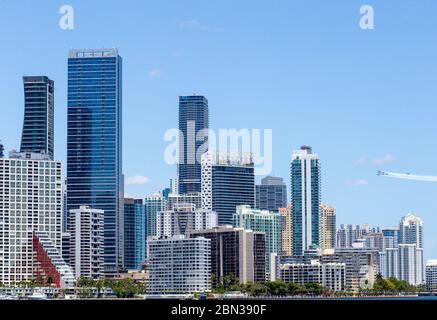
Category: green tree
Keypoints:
(294, 288)
(314, 288)
(256, 289)
(277, 288)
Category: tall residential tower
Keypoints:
(306, 199)
(193, 123)
(38, 125)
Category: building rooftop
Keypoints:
(93, 53)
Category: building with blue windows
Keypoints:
(134, 234)
(193, 122)
(38, 125)
(228, 181)
(306, 199)
(271, 194)
(152, 205)
(94, 143)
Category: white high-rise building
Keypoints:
(411, 263)
(389, 262)
(174, 185)
(30, 201)
(411, 267)
(411, 230)
(179, 265)
(347, 234)
(182, 219)
(85, 226)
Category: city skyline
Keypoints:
(349, 178)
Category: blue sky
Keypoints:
(365, 100)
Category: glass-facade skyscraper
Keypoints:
(306, 199)
(228, 181)
(94, 143)
(193, 120)
(134, 234)
(38, 125)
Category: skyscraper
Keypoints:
(327, 227)
(347, 234)
(286, 230)
(134, 234)
(411, 230)
(389, 262)
(411, 268)
(85, 226)
(228, 181)
(30, 201)
(262, 221)
(306, 199)
(179, 265)
(193, 120)
(235, 251)
(2, 149)
(94, 143)
(271, 194)
(179, 199)
(182, 219)
(391, 237)
(411, 263)
(152, 205)
(38, 125)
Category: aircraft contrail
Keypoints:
(407, 176)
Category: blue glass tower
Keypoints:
(38, 125)
(306, 199)
(94, 149)
(134, 234)
(193, 118)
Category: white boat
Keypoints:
(37, 295)
(5, 297)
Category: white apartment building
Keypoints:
(411, 264)
(329, 275)
(85, 226)
(30, 201)
(179, 265)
